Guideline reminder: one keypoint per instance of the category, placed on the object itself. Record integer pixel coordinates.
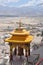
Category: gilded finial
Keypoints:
(20, 23)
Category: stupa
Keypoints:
(20, 38)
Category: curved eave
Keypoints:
(27, 40)
(24, 32)
(19, 33)
(13, 33)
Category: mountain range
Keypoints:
(21, 11)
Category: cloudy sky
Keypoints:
(20, 3)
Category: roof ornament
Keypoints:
(20, 23)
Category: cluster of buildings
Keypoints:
(20, 38)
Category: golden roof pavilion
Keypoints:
(20, 35)
(21, 38)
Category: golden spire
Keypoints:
(20, 23)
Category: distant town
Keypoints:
(32, 24)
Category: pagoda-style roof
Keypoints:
(20, 35)
(20, 39)
(20, 32)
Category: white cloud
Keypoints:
(40, 1)
(32, 3)
(2, 2)
(29, 3)
(13, 0)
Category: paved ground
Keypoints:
(19, 61)
(38, 51)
